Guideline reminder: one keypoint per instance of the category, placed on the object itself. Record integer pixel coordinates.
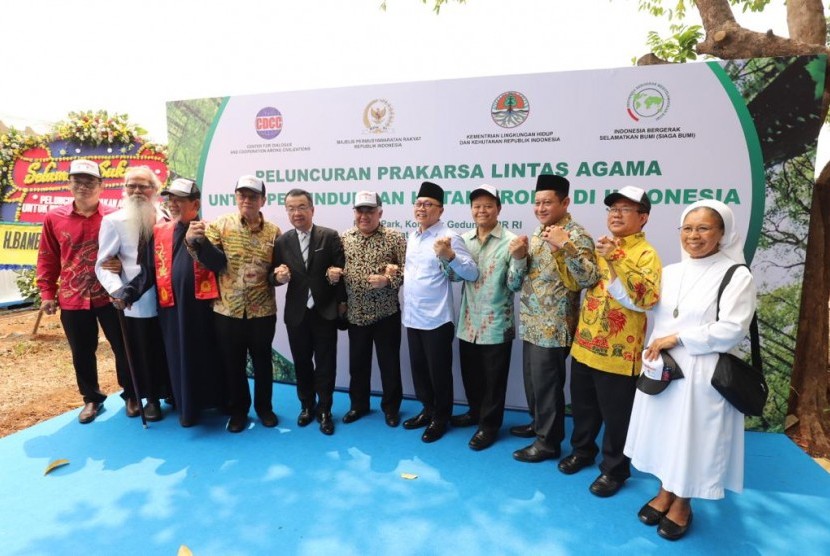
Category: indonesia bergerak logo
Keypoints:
(648, 101)
(378, 116)
(268, 122)
(510, 109)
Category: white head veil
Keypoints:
(731, 244)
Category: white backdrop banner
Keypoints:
(682, 132)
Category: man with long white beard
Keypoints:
(185, 291)
(124, 234)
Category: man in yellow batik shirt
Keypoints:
(607, 346)
(239, 248)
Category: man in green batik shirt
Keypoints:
(486, 325)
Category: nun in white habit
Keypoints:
(688, 435)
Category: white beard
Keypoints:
(141, 217)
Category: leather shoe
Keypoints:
(434, 432)
(535, 453)
(326, 424)
(419, 421)
(353, 415)
(268, 419)
(482, 439)
(237, 423)
(650, 515)
(605, 486)
(392, 419)
(671, 531)
(89, 412)
(523, 431)
(152, 411)
(464, 420)
(573, 463)
(186, 422)
(306, 417)
(132, 408)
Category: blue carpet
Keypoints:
(295, 491)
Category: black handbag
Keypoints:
(743, 385)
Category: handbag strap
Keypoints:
(753, 326)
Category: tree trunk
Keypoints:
(805, 21)
(810, 383)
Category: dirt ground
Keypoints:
(37, 381)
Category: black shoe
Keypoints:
(152, 411)
(237, 423)
(523, 431)
(353, 415)
(132, 409)
(186, 422)
(268, 419)
(434, 431)
(392, 419)
(89, 412)
(605, 486)
(573, 463)
(482, 439)
(535, 453)
(306, 417)
(419, 421)
(464, 420)
(671, 531)
(650, 515)
(326, 424)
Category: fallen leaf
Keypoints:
(409, 476)
(184, 551)
(55, 464)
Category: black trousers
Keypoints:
(484, 369)
(385, 335)
(81, 328)
(599, 397)
(237, 338)
(543, 370)
(313, 346)
(149, 359)
(430, 358)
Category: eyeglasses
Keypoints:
(425, 204)
(301, 208)
(140, 186)
(248, 196)
(621, 210)
(702, 230)
(88, 184)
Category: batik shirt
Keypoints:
(367, 255)
(612, 323)
(487, 303)
(547, 306)
(68, 249)
(244, 290)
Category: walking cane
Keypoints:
(129, 353)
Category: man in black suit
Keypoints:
(314, 299)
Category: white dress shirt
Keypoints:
(427, 291)
(114, 240)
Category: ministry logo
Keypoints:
(510, 109)
(648, 101)
(378, 116)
